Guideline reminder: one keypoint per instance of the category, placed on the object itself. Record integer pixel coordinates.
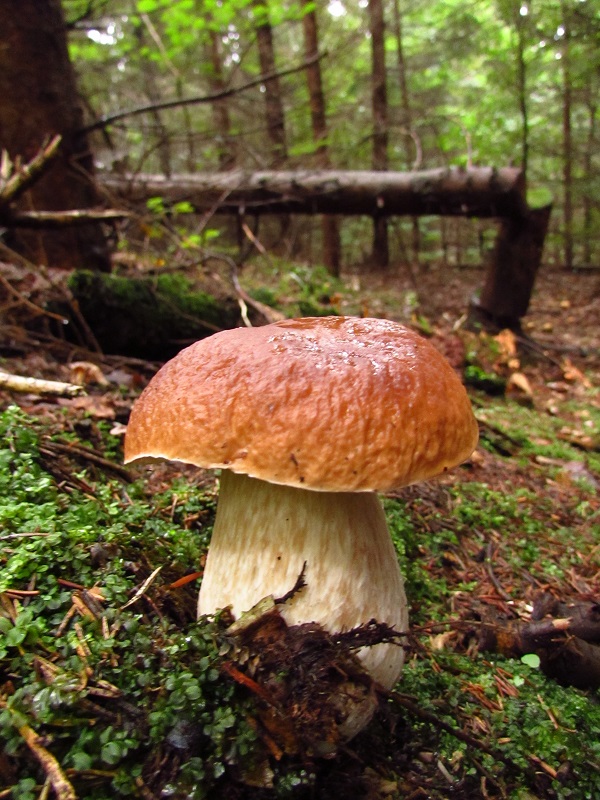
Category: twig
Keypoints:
(25, 175)
(58, 220)
(207, 98)
(60, 783)
(412, 706)
(489, 554)
(28, 304)
(19, 383)
(300, 584)
(85, 453)
(143, 588)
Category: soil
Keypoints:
(560, 362)
(563, 323)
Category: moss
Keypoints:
(148, 317)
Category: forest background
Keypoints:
(108, 684)
(397, 86)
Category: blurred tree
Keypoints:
(329, 223)
(38, 99)
(381, 253)
(275, 117)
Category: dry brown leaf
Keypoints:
(519, 382)
(574, 375)
(97, 407)
(84, 373)
(508, 343)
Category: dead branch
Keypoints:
(60, 783)
(15, 179)
(85, 454)
(568, 645)
(24, 176)
(207, 98)
(21, 300)
(20, 383)
(57, 220)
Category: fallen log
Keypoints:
(568, 645)
(473, 192)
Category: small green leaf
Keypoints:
(532, 660)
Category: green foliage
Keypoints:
(300, 291)
(461, 64)
(117, 693)
(538, 720)
(153, 682)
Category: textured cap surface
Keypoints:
(330, 404)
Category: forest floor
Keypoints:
(510, 539)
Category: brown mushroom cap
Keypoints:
(329, 404)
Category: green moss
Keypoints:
(148, 317)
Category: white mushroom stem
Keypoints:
(263, 535)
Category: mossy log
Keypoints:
(147, 317)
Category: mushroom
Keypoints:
(308, 419)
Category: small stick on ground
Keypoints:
(19, 383)
(60, 783)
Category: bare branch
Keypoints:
(207, 98)
(19, 383)
(24, 176)
(60, 219)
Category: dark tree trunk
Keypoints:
(38, 99)
(509, 281)
(407, 122)
(381, 255)
(274, 104)
(226, 149)
(567, 140)
(588, 172)
(329, 225)
(149, 82)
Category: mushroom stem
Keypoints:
(263, 535)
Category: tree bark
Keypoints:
(591, 105)
(274, 104)
(474, 192)
(160, 132)
(226, 149)
(509, 281)
(38, 99)
(407, 133)
(567, 139)
(381, 254)
(329, 224)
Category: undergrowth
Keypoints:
(103, 662)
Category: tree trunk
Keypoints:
(511, 276)
(329, 224)
(408, 133)
(381, 256)
(226, 150)
(274, 104)
(588, 172)
(567, 140)
(475, 192)
(38, 99)
(149, 81)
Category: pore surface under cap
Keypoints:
(330, 404)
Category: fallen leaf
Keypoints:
(84, 373)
